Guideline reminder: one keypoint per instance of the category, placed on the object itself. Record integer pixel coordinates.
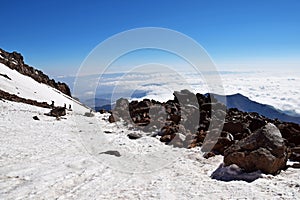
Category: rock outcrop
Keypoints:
(58, 112)
(15, 61)
(13, 97)
(263, 150)
(185, 122)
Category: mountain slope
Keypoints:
(23, 86)
(15, 61)
(245, 104)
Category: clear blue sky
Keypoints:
(57, 35)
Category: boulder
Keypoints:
(234, 173)
(263, 150)
(58, 112)
(134, 136)
(35, 118)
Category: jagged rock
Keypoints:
(233, 127)
(291, 132)
(58, 112)
(111, 119)
(264, 150)
(256, 123)
(15, 61)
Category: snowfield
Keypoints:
(28, 88)
(47, 159)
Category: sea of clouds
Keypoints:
(279, 89)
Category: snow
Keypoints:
(48, 159)
(26, 87)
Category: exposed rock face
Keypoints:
(15, 61)
(263, 150)
(13, 97)
(291, 132)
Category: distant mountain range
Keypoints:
(245, 104)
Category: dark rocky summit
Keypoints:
(15, 61)
(252, 141)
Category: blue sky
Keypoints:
(57, 35)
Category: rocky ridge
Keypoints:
(15, 61)
(186, 120)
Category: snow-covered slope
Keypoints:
(26, 87)
(46, 160)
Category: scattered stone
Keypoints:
(134, 136)
(209, 155)
(35, 118)
(89, 114)
(107, 132)
(102, 111)
(113, 153)
(58, 112)
(296, 165)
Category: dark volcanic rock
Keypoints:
(111, 152)
(264, 150)
(15, 61)
(256, 124)
(234, 173)
(245, 138)
(58, 112)
(233, 127)
(134, 136)
(291, 132)
(35, 118)
(13, 97)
